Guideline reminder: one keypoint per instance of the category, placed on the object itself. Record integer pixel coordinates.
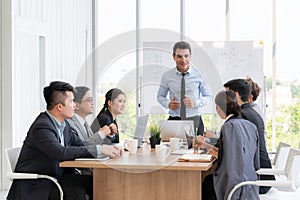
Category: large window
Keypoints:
(248, 20)
(252, 20)
(205, 20)
(160, 14)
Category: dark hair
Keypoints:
(79, 93)
(227, 102)
(111, 95)
(255, 89)
(55, 93)
(241, 86)
(181, 45)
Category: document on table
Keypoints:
(196, 158)
(185, 151)
(100, 158)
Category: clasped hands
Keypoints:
(188, 102)
(109, 130)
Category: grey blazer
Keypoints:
(238, 159)
(78, 129)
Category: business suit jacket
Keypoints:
(238, 159)
(103, 119)
(250, 114)
(41, 153)
(78, 129)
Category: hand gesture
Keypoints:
(105, 130)
(200, 141)
(188, 102)
(113, 128)
(174, 105)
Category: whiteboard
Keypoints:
(217, 61)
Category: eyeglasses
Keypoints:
(90, 100)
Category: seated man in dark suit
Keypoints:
(50, 141)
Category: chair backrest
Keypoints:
(292, 168)
(12, 155)
(280, 145)
(282, 157)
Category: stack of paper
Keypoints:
(196, 157)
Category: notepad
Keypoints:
(100, 158)
(185, 151)
(196, 158)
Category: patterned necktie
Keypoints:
(182, 106)
(87, 129)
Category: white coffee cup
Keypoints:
(131, 145)
(175, 143)
(162, 152)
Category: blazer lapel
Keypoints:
(81, 132)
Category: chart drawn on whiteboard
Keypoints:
(217, 61)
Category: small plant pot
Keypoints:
(154, 141)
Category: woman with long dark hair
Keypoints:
(237, 153)
(114, 105)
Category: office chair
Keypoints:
(287, 179)
(12, 155)
(281, 158)
(280, 145)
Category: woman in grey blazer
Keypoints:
(237, 153)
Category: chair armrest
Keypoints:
(11, 176)
(276, 184)
(270, 171)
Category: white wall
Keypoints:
(1, 90)
(49, 41)
(6, 82)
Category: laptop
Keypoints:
(140, 129)
(176, 128)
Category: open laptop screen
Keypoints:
(141, 125)
(176, 128)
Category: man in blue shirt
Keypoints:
(196, 94)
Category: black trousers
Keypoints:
(208, 190)
(198, 123)
(75, 187)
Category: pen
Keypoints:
(195, 143)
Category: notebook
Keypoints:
(176, 128)
(140, 129)
(99, 158)
(196, 158)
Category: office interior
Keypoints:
(46, 40)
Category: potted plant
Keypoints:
(154, 135)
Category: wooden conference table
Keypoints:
(140, 176)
